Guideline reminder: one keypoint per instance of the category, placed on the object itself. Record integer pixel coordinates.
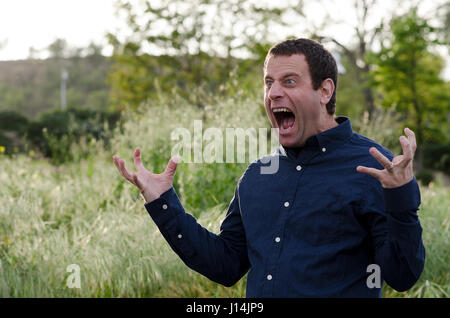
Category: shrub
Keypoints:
(13, 121)
(57, 131)
(12, 128)
(425, 175)
(437, 156)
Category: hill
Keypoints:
(32, 86)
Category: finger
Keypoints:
(369, 171)
(385, 162)
(125, 172)
(172, 166)
(412, 139)
(407, 152)
(117, 164)
(137, 160)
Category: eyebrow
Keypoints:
(284, 76)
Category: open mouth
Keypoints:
(284, 117)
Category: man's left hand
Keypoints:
(400, 170)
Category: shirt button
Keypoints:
(164, 206)
(286, 204)
(277, 239)
(269, 277)
(180, 236)
(299, 168)
(324, 149)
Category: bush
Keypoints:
(6, 143)
(13, 121)
(425, 176)
(57, 131)
(437, 156)
(12, 128)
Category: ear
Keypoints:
(326, 90)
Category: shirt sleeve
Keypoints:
(396, 232)
(220, 257)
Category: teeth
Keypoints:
(280, 110)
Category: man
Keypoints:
(338, 206)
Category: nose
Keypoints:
(275, 91)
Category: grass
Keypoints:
(84, 213)
(52, 218)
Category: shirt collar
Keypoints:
(325, 141)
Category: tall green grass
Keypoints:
(85, 213)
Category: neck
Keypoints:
(326, 122)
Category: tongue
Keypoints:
(288, 121)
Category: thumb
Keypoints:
(172, 166)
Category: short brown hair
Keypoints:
(321, 63)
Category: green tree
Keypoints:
(355, 53)
(407, 75)
(190, 47)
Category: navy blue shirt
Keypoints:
(309, 230)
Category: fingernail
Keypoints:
(175, 159)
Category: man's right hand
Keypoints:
(149, 184)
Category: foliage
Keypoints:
(407, 74)
(435, 220)
(200, 44)
(12, 128)
(13, 121)
(425, 176)
(55, 131)
(437, 156)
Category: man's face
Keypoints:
(291, 103)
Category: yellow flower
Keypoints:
(2, 149)
(31, 153)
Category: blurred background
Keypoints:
(83, 80)
(91, 61)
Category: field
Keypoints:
(84, 213)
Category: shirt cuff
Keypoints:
(164, 208)
(403, 198)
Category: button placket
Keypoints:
(276, 248)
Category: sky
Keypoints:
(26, 23)
(37, 23)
